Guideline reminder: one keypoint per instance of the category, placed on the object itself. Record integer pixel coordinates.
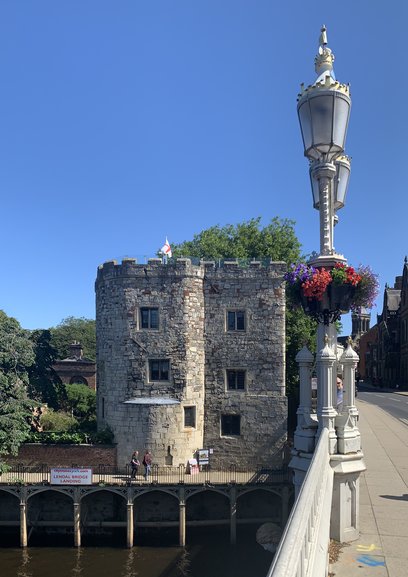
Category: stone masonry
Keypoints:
(174, 373)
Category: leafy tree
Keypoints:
(16, 356)
(74, 329)
(249, 240)
(45, 385)
(81, 401)
(277, 241)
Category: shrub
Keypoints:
(58, 421)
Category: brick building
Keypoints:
(76, 368)
(191, 357)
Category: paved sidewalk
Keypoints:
(382, 549)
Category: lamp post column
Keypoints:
(324, 173)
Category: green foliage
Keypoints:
(16, 356)
(104, 437)
(58, 421)
(58, 437)
(74, 329)
(249, 240)
(81, 401)
(45, 386)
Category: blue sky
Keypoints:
(126, 121)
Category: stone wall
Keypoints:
(192, 304)
(259, 351)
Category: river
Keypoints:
(208, 554)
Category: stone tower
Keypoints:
(192, 357)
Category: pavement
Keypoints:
(382, 549)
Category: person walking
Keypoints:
(147, 462)
(134, 464)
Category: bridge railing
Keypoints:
(106, 474)
(303, 549)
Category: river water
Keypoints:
(207, 555)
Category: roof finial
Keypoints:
(324, 59)
(323, 36)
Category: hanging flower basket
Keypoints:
(327, 294)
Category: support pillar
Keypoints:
(326, 360)
(77, 520)
(348, 435)
(129, 519)
(23, 521)
(285, 506)
(182, 518)
(233, 515)
(344, 518)
(304, 438)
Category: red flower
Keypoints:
(317, 285)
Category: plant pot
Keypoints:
(336, 301)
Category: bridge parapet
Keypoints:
(303, 549)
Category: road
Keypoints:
(394, 403)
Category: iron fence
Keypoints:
(160, 475)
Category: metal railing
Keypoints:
(111, 475)
(303, 548)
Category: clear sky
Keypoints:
(126, 121)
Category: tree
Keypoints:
(45, 385)
(81, 402)
(16, 356)
(248, 240)
(74, 329)
(245, 240)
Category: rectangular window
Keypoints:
(149, 318)
(230, 425)
(159, 369)
(235, 320)
(236, 379)
(190, 417)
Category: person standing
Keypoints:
(134, 464)
(147, 462)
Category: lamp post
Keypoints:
(324, 111)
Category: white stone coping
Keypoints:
(152, 401)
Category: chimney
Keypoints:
(75, 350)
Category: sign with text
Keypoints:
(71, 476)
(203, 456)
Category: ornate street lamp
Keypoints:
(324, 111)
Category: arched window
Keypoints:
(78, 380)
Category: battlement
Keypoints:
(243, 268)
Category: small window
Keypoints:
(230, 425)
(190, 417)
(149, 318)
(159, 369)
(235, 320)
(236, 379)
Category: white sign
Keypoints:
(71, 476)
(203, 456)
